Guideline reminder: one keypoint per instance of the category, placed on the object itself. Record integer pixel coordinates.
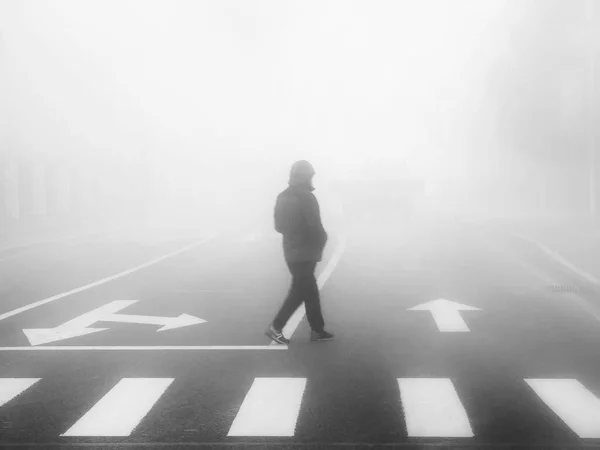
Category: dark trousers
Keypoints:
(303, 289)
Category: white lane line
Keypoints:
(290, 327)
(121, 409)
(145, 347)
(14, 312)
(270, 408)
(558, 258)
(432, 408)
(584, 304)
(11, 387)
(572, 402)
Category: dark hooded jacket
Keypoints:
(298, 219)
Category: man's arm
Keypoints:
(312, 216)
(284, 213)
(278, 216)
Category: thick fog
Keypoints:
(197, 109)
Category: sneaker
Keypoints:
(322, 336)
(276, 336)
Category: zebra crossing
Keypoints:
(572, 402)
(432, 408)
(11, 387)
(271, 407)
(121, 409)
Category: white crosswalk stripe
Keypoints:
(121, 409)
(11, 387)
(270, 408)
(572, 402)
(432, 408)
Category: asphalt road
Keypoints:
(518, 366)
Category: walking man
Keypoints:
(298, 219)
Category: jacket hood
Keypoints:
(301, 175)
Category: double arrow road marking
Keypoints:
(445, 313)
(80, 325)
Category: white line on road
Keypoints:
(558, 258)
(81, 325)
(14, 312)
(432, 408)
(11, 387)
(270, 408)
(572, 402)
(122, 408)
(331, 265)
(299, 314)
(446, 314)
(584, 304)
(146, 347)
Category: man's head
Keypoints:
(301, 173)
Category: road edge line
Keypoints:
(556, 256)
(153, 261)
(144, 347)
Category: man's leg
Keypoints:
(312, 298)
(294, 297)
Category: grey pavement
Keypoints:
(499, 361)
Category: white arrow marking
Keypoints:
(445, 314)
(80, 325)
(168, 322)
(77, 326)
(39, 336)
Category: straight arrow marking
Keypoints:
(448, 320)
(446, 314)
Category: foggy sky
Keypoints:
(238, 90)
